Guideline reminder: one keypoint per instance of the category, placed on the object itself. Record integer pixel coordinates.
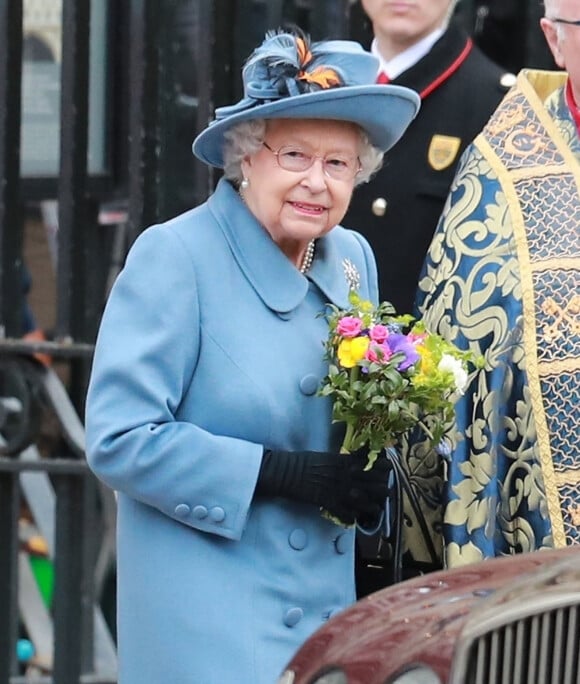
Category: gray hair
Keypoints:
(246, 138)
(552, 9)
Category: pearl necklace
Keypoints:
(308, 257)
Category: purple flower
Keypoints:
(444, 448)
(400, 344)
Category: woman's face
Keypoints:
(296, 206)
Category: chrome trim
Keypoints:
(526, 633)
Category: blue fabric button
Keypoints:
(200, 512)
(217, 514)
(342, 543)
(309, 384)
(293, 616)
(298, 539)
(182, 510)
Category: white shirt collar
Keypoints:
(406, 59)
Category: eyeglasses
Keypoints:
(571, 22)
(336, 166)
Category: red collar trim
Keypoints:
(571, 102)
(450, 70)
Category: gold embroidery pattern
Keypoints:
(521, 140)
(565, 318)
(561, 404)
(574, 513)
(552, 212)
(501, 272)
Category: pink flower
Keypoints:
(378, 353)
(416, 338)
(349, 326)
(379, 333)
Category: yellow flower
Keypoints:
(366, 306)
(351, 351)
(427, 360)
(426, 368)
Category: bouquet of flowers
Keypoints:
(388, 374)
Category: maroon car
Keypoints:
(513, 620)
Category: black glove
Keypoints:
(336, 482)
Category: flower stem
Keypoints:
(350, 426)
(425, 430)
(345, 448)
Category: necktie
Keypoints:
(383, 78)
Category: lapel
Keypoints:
(275, 279)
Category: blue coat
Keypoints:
(210, 347)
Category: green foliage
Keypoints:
(387, 374)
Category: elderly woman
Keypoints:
(202, 411)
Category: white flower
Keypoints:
(449, 364)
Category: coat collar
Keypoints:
(275, 279)
(444, 58)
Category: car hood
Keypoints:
(420, 620)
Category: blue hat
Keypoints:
(288, 78)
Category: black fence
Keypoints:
(97, 112)
(56, 536)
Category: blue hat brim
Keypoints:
(382, 111)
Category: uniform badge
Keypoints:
(442, 151)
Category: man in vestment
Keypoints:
(418, 46)
(502, 278)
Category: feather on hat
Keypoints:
(287, 77)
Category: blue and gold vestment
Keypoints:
(502, 278)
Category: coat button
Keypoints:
(379, 206)
(182, 510)
(342, 543)
(217, 514)
(298, 539)
(293, 616)
(309, 384)
(200, 512)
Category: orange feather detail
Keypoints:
(322, 76)
(304, 54)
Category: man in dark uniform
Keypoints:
(399, 209)
(459, 87)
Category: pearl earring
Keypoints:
(244, 184)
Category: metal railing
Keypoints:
(72, 517)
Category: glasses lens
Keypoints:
(294, 159)
(341, 168)
(337, 166)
